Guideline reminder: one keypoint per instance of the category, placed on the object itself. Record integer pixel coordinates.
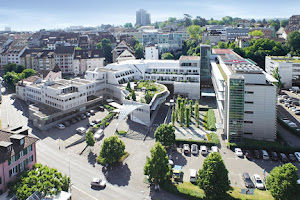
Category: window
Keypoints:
(248, 122)
(29, 148)
(248, 133)
(249, 92)
(249, 102)
(249, 112)
(22, 141)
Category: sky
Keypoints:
(32, 15)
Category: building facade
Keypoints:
(64, 56)
(143, 18)
(234, 32)
(294, 23)
(288, 68)
(246, 97)
(17, 153)
(151, 52)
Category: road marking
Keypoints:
(84, 192)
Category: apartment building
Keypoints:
(17, 153)
(151, 52)
(234, 32)
(294, 23)
(12, 54)
(87, 60)
(64, 56)
(218, 28)
(268, 32)
(143, 18)
(288, 68)
(38, 59)
(243, 22)
(246, 97)
(166, 42)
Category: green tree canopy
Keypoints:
(128, 87)
(28, 72)
(156, 166)
(256, 33)
(89, 138)
(277, 76)
(167, 56)
(20, 69)
(105, 45)
(133, 96)
(139, 51)
(284, 23)
(78, 48)
(282, 182)
(41, 178)
(194, 31)
(10, 67)
(112, 150)
(128, 25)
(165, 134)
(213, 177)
(293, 42)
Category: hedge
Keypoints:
(198, 142)
(105, 119)
(209, 120)
(183, 191)
(213, 137)
(108, 107)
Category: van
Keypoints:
(193, 175)
(265, 155)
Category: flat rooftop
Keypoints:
(285, 59)
(189, 58)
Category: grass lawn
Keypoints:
(258, 194)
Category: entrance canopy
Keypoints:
(125, 110)
(116, 105)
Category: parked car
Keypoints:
(101, 108)
(87, 114)
(60, 126)
(283, 157)
(186, 148)
(73, 120)
(214, 149)
(193, 175)
(247, 180)
(81, 130)
(258, 182)
(265, 155)
(92, 112)
(66, 123)
(297, 154)
(256, 154)
(194, 149)
(96, 182)
(98, 134)
(83, 116)
(92, 124)
(96, 121)
(292, 124)
(203, 150)
(238, 152)
(292, 158)
(78, 118)
(248, 154)
(274, 155)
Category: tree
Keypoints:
(128, 87)
(41, 178)
(284, 23)
(171, 20)
(252, 21)
(128, 25)
(165, 134)
(293, 42)
(275, 25)
(256, 33)
(227, 20)
(10, 67)
(278, 77)
(105, 45)
(133, 96)
(213, 177)
(173, 116)
(194, 31)
(207, 42)
(181, 114)
(112, 150)
(148, 97)
(78, 48)
(191, 107)
(28, 72)
(20, 69)
(197, 113)
(11, 78)
(156, 166)
(167, 56)
(187, 116)
(187, 20)
(89, 138)
(139, 51)
(282, 182)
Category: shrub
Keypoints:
(213, 137)
(107, 123)
(121, 132)
(210, 120)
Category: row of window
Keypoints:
(34, 97)
(20, 167)
(22, 153)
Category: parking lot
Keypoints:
(235, 165)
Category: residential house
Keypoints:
(87, 60)
(64, 56)
(122, 46)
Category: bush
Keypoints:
(187, 190)
(213, 137)
(121, 132)
(108, 107)
(107, 123)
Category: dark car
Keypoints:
(73, 120)
(256, 154)
(101, 108)
(292, 158)
(247, 180)
(248, 154)
(274, 155)
(66, 123)
(283, 158)
(78, 118)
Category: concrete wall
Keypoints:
(191, 89)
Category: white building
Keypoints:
(288, 68)
(151, 53)
(246, 97)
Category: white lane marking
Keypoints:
(83, 192)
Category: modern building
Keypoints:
(205, 67)
(212, 36)
(218, 28)
(143, 18)
(234, 32)
(294, 23)
(17, 153)
(246, 97)
(288, 68)
(151, 52)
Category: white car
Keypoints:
(238, 152)
(194, 149)
(203, 150)
(98, 134)
(60, 126)
(186, 148)
(98, 182)
(258, 182)
(214, 149)
(297, 154)
(81, 130)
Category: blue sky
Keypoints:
(34, 15)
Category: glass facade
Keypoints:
(236, 109)
(205, 68)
